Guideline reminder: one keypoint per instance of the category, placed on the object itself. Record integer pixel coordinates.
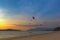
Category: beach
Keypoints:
(46, 36)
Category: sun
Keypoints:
(1, 22)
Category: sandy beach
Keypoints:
(47, 36)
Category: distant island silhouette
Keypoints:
(42, 29)
(57, 29)
(10, 30)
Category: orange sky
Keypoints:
(12, 26)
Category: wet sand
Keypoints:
(46, 36)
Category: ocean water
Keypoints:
(7, 34)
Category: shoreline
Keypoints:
(21, 37)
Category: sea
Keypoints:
(7, 34)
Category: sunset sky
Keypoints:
(17, 14)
